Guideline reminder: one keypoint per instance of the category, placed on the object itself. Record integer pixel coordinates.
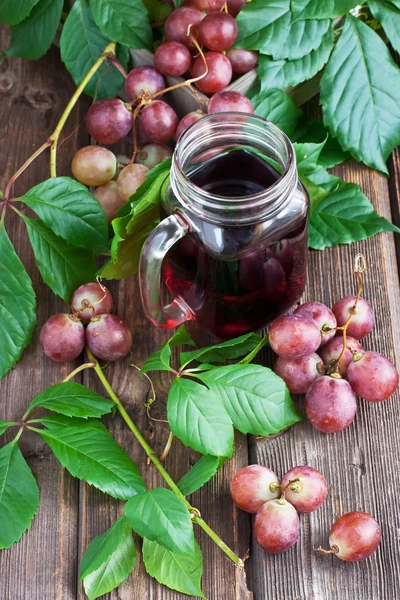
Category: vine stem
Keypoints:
(89, 365)
(195, 515)
(25, 166)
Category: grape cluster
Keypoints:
(340, 370)
(64, 336)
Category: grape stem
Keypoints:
(114, 61)
(167, 448)
(25, 166)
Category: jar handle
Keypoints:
(162, 238)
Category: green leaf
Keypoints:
(160, 516)
(323, 179)
(12, 12)
(181, 572)
(311, 130)
(124, 21)
(160, 360)
(201, 472)
(108, 560)
(159, 12)
(70, 210)
(57, 420)
(219, 353)
(73, 400)
(4, 425)
(277, 107)
(308, 35)
(360, 89)
(17, 305)
(81, 44)
(19, 495)
(261, 22)
(387, 12)
(89, 452)
(199, 419)
(256, 399)
(322, 9)
(316, 193)
(62, 266)
(345, 216)
(307, 156)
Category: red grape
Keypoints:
(331, 352)
(294, 336)
(235, 6)
(219, 72)
(141, 137)
(108, 121)
(62, 337)
(94, 165)
(309, 492)
(299, 373)
(91, 299)
(362, 321)
(218, 31)
(172, 58)
(188, 120)
(151, 155)
(230, 102)
(159, 122)
(130, 179)
(252, 486)
(354, 536)
(373, 377)
(144, 81)
(110, 200)
(177, 25)
(108, 337)
(321, 315)
(242, 61)
(277, 526)
(209, 5)
(330, 404)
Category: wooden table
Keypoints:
(361, 464)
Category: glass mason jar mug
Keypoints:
(233, 249)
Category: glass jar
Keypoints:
(232, 250)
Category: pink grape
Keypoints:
(355, 536)
(108, 337)
(321, 315)
(299, 373)
(242, 61)
(309, 492)
(235, 6)
(110, 200)
(277, 526)
(62, 337)
(130, 179)
(172, 58)
(209, 5)
(219, 72)
(188, 120)
(252, 486)
(230, 102)
(373, 377)
(94, 165)
(159, 122)
(141, 137)
(294, 336)
(218, 31)
(363, 320)
(330, 404)
(144, 81)
(177, 25)
(108, 121)
(91, 299)
(332, 350)
(151, 155)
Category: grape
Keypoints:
(190, 4)
(230, 102)
(91, 299)
(94, 165)
(373, 377)
(252, 486)
(108, 121)
(218, 31)
(110, 200)
(172, 58)
(209, 5)
(141, 137)
(62, 337)
(143, 82)
(299, 373)
(309, 492)
(108, 337)
(354, 536)
(130, 179)
(321, 315)
(331, 352)
(294, 336)
(235, 6)
(159, 121)
(177, 25)
(242, 61)
(362, 321)
(219, 72)
(188, 120)
(153, 154)
(277, 526)
(330, 404)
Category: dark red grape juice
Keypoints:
(230, 288)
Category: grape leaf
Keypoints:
(159, 12)
(387, 12)
(308, 35)
(160, 360)
(89, 452)
(4, 425)
(62, 266)
(108, 560)
(181, 572)
(325, 180)
(315, 192)
(277, 107)
(202, 471)
(33, 37)
(12, 12)
(124, 21)
(307, 156)
(19, 495)
(323, 9)
(73, 400)
(57, 420)
(360, 89)
(311, 130)
(160, 516)
(261, 22)
(17, 305)
(198, 419)
(223, 351)
(70, 210)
